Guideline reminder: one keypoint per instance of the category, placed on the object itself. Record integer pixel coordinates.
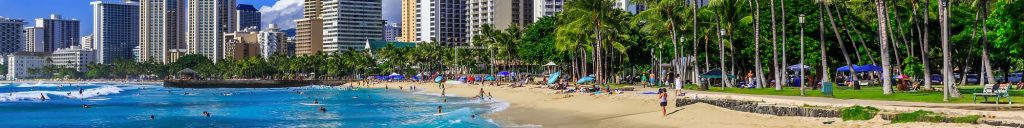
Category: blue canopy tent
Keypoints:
(862, 68)
(396, 76)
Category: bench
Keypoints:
(991, 90)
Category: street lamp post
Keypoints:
(722, 69)
(802, 81)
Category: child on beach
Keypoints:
(663, 96)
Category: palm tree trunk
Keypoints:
(924, 49)
(821, 40)
(775, 50)
(884, 39)
(846, 56)
(757, 45)
(785, 75)
(984, 42)
(695, 67)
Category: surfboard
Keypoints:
(304, 103)
(98, 99)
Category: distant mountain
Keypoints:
(290, 32)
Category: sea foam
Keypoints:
(35, 95)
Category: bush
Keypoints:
(858, 112)
(918, 116)
(928, 116)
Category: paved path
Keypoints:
(999, 111)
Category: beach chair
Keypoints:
(991, 90)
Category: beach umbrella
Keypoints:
(489, 78)
(550, 64)
(504, 73)
(715, 74)
(553, 77)
(438, 79)
(901, 76)
(798, 67)
(585, 79)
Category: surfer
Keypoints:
(315, 101)
(80, 90)
(355, 97)
(85, 106)
(438, 109)
(42, 97)
(152, 117)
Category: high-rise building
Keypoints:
(11, 35)
(161, 29)
(442, 21)
(87, 41)
(498, 13)
(348, 24)
(74, 57)
(543, 8)
(58, 33)
(34, 39)
(309, 30)
(273, 42)
(208, 20)
(241, 44)
(628, 6)
(115, 29)
(392, 31)
(247, 17)
(408, 20)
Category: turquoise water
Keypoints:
(120, 105)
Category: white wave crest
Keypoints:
(35, 95)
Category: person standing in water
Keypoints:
(438, 109)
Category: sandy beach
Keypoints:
(536, 107)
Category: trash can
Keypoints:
(826, 88)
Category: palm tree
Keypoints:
(835, 30)
(757, 43)
(821, 45)
(601, 18)
(884, 41)
(659, 14)
(924, 48)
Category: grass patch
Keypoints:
(858, 112)
(928, 116)
(866, 93)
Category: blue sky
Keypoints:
(277, 11)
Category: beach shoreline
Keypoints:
(538, 107)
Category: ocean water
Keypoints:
(122, 105)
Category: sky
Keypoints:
(280, 12)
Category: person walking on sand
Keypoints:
(663, 96)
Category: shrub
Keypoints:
(858, 112)
(928, 116)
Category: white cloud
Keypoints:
(283, 13)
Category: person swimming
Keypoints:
(85, 106)
(152, 117)
(207, 114)
(323, 109)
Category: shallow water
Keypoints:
(119, 105)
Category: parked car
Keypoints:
(1015, 77)
(973, 78)
(936, 79)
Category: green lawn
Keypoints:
(871, 93)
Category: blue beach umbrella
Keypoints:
(438, 79)
(554, 77)
(586, 79)
(489, 78)
(504, 73)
